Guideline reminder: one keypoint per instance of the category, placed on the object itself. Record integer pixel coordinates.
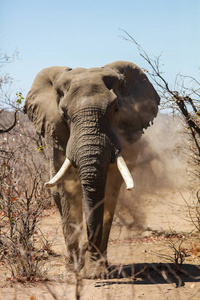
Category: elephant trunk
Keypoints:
(93, 180)
(94, 153)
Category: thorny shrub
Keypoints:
(22, 199)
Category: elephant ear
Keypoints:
(41, 103)
(138, 101)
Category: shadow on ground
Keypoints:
(153, 273)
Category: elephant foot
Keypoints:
(95, 267)
(74, 261)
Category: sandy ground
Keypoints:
(138, 257)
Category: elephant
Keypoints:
(89, 119)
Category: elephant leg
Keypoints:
(56, 198)
(113, 185)
(68, 198)
(72, 216)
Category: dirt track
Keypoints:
(138, 258)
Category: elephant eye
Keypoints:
(63, 112)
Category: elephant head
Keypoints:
(88, 112)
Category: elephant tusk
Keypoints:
(59, 175)
(123, 169)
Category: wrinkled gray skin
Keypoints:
(90, 116)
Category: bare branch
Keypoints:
(11, 126)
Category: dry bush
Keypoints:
(22, 199)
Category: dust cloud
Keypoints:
(159, 166)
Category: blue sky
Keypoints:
(86, 33)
